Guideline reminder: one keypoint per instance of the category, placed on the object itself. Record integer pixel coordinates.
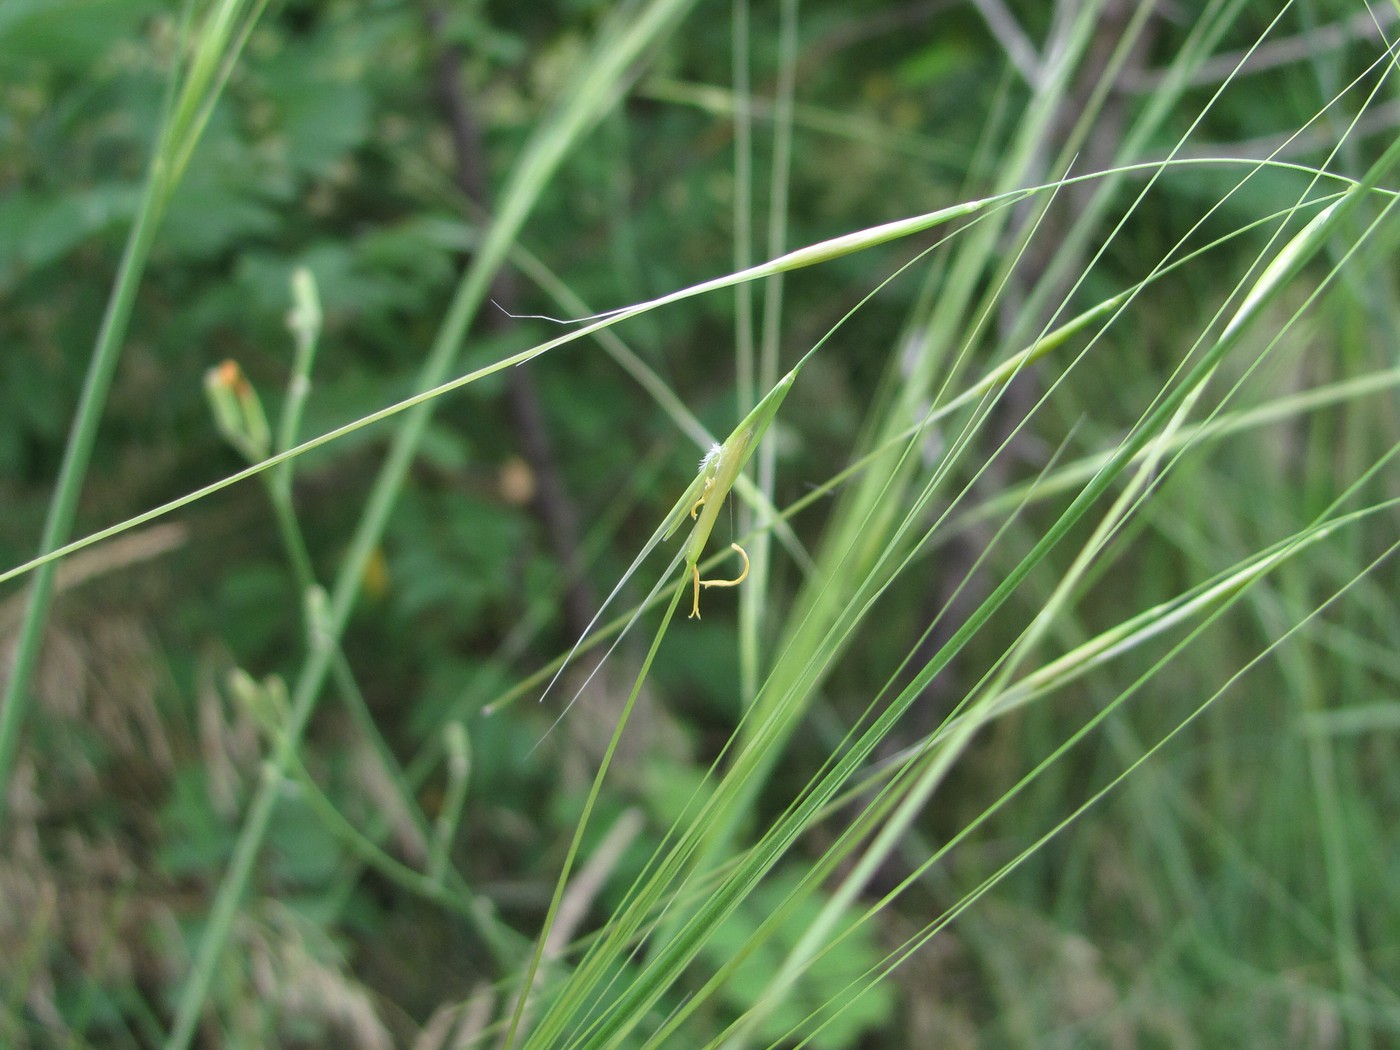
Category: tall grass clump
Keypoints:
(1035, 586)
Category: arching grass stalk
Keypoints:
(812, 255)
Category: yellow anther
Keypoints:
(695, 570)
(704, 495)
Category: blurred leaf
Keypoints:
(451, 556)
(224, 199)
(322, 108)
(195, 840)
(302, 849)
(253, 603)
(67, 34)
(39, 229)
(935, 63)
(826, 982)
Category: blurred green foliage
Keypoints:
(331, 151)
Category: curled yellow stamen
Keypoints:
(695, 570)
(704, 495)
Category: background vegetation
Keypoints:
(1059, 706)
